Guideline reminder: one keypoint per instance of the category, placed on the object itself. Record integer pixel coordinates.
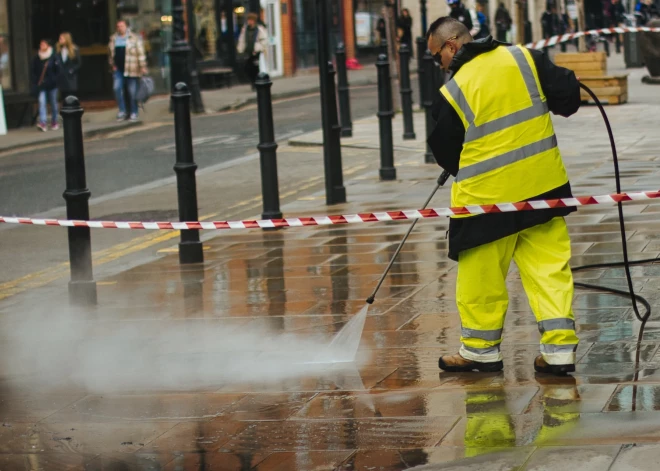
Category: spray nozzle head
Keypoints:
(371, 299)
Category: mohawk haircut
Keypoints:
(446, 27)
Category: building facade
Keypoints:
(23, 23)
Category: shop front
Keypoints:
(23, 23)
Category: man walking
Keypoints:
(252, 42)
(502, 22)
(129, 63)
(495, 135)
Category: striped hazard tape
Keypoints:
(347, 218)
(567, 37)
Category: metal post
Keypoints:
(335, 147)
(343, 88)
(429, 94)
(197, 104)
(179, 51)
(385, 113)
(334, 187)
(421, 49)
(268, 150)
(422, 8)
(190, 248)
(82, 287)
(406, 93)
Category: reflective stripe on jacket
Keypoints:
(510, 150)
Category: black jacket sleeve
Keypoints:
(560, 86)
(446, 140)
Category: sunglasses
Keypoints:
(436, 57)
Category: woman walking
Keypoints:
(45, 69)
(69, 58)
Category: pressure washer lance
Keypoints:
(441, 181)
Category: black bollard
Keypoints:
(343, 89)
(190, 248)
(385, 113)
(334, 186)
(270, 193)
(82, 287)
(338, 189)
(421, 49)
(429, 94)
(406, 93)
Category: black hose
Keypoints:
(634, 298)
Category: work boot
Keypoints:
(541, 366)
(458, 364)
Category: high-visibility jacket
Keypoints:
(510, 151)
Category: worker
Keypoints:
(494, 134)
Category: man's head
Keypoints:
(444, 38)
(121, 27)
(252, 20)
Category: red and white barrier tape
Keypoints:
(567, 37)
(347, 218)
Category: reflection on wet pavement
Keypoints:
(206, 367)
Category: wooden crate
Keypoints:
(612, 89)
(593, 64)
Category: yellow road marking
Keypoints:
(48, 275)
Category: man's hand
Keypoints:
(114, 68)
(144, 71)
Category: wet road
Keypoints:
(32, 182)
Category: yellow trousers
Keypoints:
(542, 254)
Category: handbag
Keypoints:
(145, 90)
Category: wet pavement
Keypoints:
(212, 367)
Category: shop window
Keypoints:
(5, 43)
(368, 30)
(206, 31)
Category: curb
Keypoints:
(59, 137)
(289, 94)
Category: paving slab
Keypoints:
(213, 366)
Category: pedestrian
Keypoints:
(566, 27)
(381, 36)
(69, 58)
(466, 16)
(484, 30)
(550, 21)
(44, 71)
(252, 43)
(511, 155)
(129, 63)
(404, 28)
(502, 22)
(617, 19)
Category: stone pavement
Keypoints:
(157, 109)
(211, 366)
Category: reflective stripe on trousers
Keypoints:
(541, 253)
